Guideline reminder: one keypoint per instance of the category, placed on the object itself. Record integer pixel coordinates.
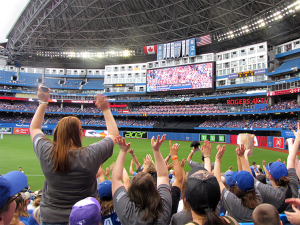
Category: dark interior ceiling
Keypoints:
(105, 25)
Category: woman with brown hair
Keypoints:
(144, 203)
(242, 202)
(69, 168)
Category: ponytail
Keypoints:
(283, 181)
(212, 218)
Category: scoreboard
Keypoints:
(213, 137)
(246, 74)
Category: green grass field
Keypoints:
(17, 150)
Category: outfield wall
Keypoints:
(263, 141)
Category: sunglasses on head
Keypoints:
(14, 197)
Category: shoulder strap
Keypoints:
(288, 194)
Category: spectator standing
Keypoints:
(70, 169)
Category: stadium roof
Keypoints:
(105, 25)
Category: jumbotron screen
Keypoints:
(195, 76)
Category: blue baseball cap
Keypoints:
(104, 190)
(244, 180)
(277, 170)
(134, 173)
(228, 178)
(86, 212)
(10, 184)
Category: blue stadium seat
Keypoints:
(283, 218)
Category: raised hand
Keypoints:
(156, 145)
(170, 166)
(130, 151)
(122, 143)
(173, 149)
(101, 102)
(43, 96)
(240, 150)
(206, 148)
(182, 163)
(220, 153)
(107, 172)
(297, 133)
(148, 160)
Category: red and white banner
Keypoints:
(278, 142)
(151, 49)
(21, 130)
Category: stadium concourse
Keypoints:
(196, 72)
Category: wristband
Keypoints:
(43, 102)
(206, 157)
(132, 155)
(175, 157)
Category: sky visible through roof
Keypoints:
(10, 12)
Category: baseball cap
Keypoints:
(195, 144)
(104, 190)
(277, 170)
(228, 179)
(10, 184)
(244, 180)
(202, 190)
(85, 212)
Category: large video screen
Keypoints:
(195, 76)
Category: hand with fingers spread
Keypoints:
(206, 149)
(174, 149)
(263, 162)
(156, 144)
(170, 166)
(220, 153)
(101, 102)
(240, 150)
(182, 163)
(107, 171)
(122, 144)
(293, 217)
(131, 151)
(147, 161)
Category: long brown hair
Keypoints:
(67, 134)
(283, 181)
(249, 199)
(107, 207)
(186, 205)
(144, 194)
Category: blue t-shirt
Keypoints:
(111, 219)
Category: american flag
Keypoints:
(203, 40)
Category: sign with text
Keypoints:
(95, 133)
(18, 130)
(212, 137)
(5, 130)
(244, 101)
(135, 134)
(284, 92)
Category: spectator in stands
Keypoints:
(242, 202)
(143, 203)
(74, 178)
(34, 218)
(23, 212)
(284, 180)
(10, 184)
(192, 163)
(16, 218)
(203, 195)
(266, 214)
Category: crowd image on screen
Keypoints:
(193, 76)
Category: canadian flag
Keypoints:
(151, 49)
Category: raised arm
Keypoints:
(206, 151)
(126, 179)
(293, 153)
(107, 173)
(161, 168)
(100, 175)
(38, 118)
(136, 161)
(130, 168)
(177, 169)
(190, 155)
(117, 173)
(111, 126)
(217, 170)
(240, 151)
